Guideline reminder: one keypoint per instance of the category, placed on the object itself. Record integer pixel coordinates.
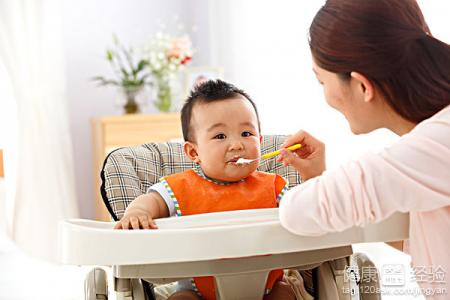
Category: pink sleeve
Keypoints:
(412, 175)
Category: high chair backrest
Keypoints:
(128, 172)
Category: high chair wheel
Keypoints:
(95, 285)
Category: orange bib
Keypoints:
(193, 194)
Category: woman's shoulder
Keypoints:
(436, 128)
(444, 112)
(423, 153)
(442, 117)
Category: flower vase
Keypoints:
(164, 93)
(131, 107)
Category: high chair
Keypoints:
(238, 248)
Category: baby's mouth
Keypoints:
(234, 159)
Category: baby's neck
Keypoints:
(202, 174)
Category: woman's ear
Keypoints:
(190, 149)
(364, 86)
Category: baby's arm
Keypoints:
(141, 212)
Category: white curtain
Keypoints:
(7, 114)
(39, 173)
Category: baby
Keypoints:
(220, 125)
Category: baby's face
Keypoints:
(223, 132)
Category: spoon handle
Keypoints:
(275, 153)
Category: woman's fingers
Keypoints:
(307, 168)
(303, 152)
(305, 139)
(289, 158)
(296, 138)
(309, 160)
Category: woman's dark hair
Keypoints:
(388, 42)
(207, 92)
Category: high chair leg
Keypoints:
(122, 287)
(247, 286)
(129, 289)
(95, 285)
(332, 282)
(369, 280)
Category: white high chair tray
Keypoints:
(203, 237)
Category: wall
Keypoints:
(262, 47)
(88, 29)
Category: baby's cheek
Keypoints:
(257, 151)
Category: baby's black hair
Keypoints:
(207, 92)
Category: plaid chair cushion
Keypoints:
(128, 172)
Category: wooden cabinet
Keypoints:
(110, 133)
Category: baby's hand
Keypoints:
(136, 219)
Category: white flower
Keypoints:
(168, 54)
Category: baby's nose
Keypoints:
(236, 145)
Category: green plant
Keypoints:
(131, 74)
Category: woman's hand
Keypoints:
(309, 160)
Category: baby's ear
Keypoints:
(190, 149)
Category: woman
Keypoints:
(381, 68)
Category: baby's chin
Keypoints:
(237, 176)
(234, 175)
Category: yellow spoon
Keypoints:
(242, 161)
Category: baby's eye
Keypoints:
(220, 136)
(247, 134)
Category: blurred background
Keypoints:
(51, 107)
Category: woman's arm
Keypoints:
(412, 175)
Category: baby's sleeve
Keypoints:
(281, 187)
(162, 191)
